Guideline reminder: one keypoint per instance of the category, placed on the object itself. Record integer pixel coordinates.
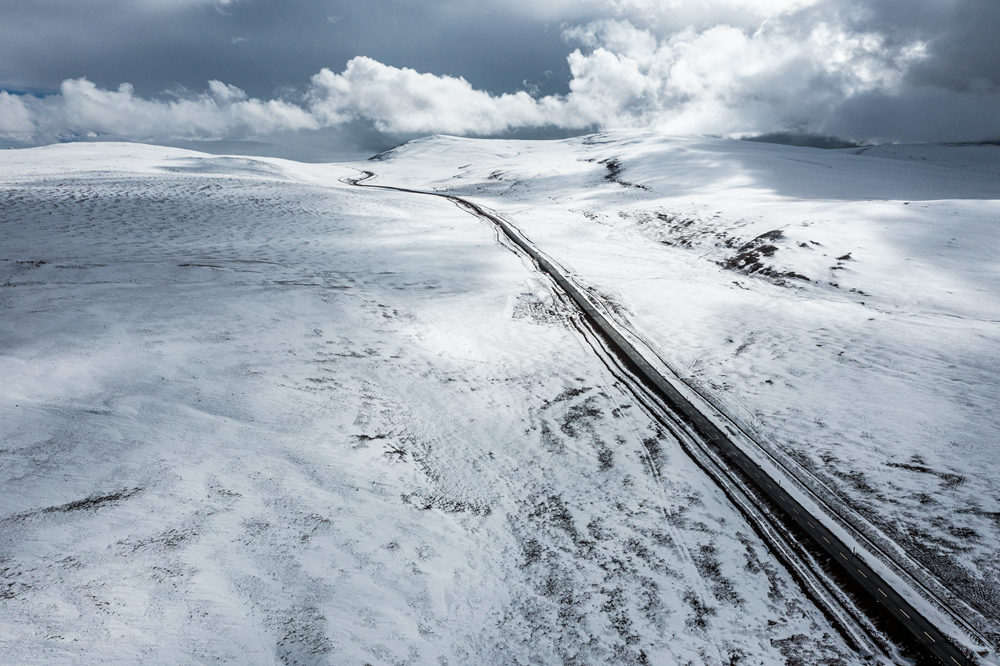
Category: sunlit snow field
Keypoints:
(843, 306)
(251, 414)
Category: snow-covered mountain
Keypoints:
(254, 414)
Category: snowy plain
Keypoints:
(842, 306)
(254, 415)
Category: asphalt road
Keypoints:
(926, 636)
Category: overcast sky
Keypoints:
(374, 71)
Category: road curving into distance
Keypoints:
(792, 516)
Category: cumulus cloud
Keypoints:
(82, 109)
(727, 80)
(843, 67)
(15, 118)
(403, 100)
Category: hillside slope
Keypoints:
(842, 306)
(253, 415)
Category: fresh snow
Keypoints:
(843, 306)
(254, 415)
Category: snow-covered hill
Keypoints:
(842, 306)
(253, 415)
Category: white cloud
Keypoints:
(404, 100)
(15, 118)
(676, 14)
(781, 73)
(81, 109)
(725, 79)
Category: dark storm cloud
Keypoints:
(264, 46)
(965, 54)
(963, 51)
(875, 69)
(952, 93)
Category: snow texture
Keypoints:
(254, 415)
(842, 306)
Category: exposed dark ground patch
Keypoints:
(709, 567)
(709, 231)
(797, 652)
(170, 539)
(12, 581)
(615, 170)
(440, 501)
(87, 503)
(949, 479)
(699, 613)
(533, 308)
(929, 536)
(749, 257)
(303, 637)
(94, 502)
(684, 231)
(625, 597)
